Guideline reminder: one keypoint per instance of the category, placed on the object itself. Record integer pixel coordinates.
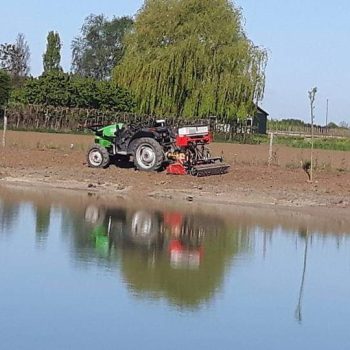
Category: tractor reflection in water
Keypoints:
(118, 228)
(150, 230)
(180, 257)
(185, 247)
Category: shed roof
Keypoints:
(262, 111)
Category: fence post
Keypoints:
(4, 131)
(270, 150)
(312, 95)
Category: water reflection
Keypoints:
(8, 214)
(42, 223)
(181, 257)
(298, 311)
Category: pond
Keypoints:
(78, 271)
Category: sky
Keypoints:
(307, 42)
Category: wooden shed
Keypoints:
(260, 121)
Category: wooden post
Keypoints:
(312, 95)
(327, 111)
(271, 150)
(4, 131)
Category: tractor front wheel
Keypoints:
(98, 157)
(148, 154)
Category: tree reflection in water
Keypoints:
(298, 311)
(42, 223)
(172, 255)
(8, 215)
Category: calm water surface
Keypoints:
(80, 274)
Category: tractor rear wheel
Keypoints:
(148, 154)
(98, 157)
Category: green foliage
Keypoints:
(52, 55)
(285, 124)
(100, 46)
(84, 93)
(192, 58)
(17, 96)
(5, 88)
(110, 95)
(247, 139)
(51, 89)
(56, 88)
(297, 125)
(289, 124)
(334, 144)
(294, 122)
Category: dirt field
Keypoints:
(54, 160)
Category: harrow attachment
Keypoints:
(209, 169)
(192, 155)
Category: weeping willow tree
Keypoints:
(192, 58)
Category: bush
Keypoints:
(59, 89)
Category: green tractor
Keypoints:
(156, 146)
(147, 145)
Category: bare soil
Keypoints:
(56, 160)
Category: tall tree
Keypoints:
(5, 88)
(22, 46)
(52, 55)
(100, 46)
(192, 58)
(14, 58)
